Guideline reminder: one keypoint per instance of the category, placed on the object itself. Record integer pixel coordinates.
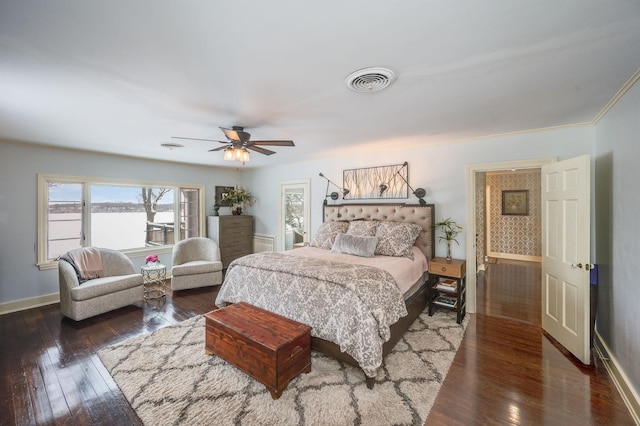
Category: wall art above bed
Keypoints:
(384, 182)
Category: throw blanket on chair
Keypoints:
(86, 261)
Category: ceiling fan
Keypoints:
(239, 142)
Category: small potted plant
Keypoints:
(450, 230)
(239, 197)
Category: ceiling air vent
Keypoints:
(171, 146)
(370, 79)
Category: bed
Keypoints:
(354, 304)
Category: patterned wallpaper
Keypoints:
(521, 235)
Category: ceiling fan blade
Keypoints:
(198, 139)
(260, 150)
(219, 148)
(273, 143)
(237, 133)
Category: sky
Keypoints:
(99, 193)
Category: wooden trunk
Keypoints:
(270, 348)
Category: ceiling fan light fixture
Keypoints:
(238, 144)
(237, 154)
(371, 79)
(229, 154)
(245, 155)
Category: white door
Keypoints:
(294, 213)
(566, 253)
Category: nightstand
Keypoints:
(448, 286)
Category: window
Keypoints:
(64, 208)
(133, 217)
(294, 213)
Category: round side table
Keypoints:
(154, 281)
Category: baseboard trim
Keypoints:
(629, 395)
(32, 302)
(510, 256)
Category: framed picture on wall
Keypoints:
(515, 202)
(220, 193)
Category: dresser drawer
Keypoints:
(231, 236)
(237, 222)
(234, 235)
(238, 249)
(449, 268)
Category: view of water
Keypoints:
(122, 230)
(117, 231)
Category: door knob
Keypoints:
(579, 265)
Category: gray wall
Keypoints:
(441, 170)
(20, 164)
(618, 231)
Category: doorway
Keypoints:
(475, 224)
(509, 216)
(295, 213)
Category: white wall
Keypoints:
(618, 232)
(20, 164)
(439, 169)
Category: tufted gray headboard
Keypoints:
(411, 213)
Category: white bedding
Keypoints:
(405, 271)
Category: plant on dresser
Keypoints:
(239, 197)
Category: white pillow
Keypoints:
(358, 245)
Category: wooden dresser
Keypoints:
(234, 235)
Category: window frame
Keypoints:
(43, 219)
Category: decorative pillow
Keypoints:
(363, 227)
(397, 239)
(358, 245)
(327, 232)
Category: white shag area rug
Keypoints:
(168, 380)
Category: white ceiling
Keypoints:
(123, 76)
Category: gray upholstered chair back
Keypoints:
(196, 248)
(115, 263)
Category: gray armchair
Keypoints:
(119, 286)
(196, 263)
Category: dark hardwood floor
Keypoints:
(506, 371)
(49, 368)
